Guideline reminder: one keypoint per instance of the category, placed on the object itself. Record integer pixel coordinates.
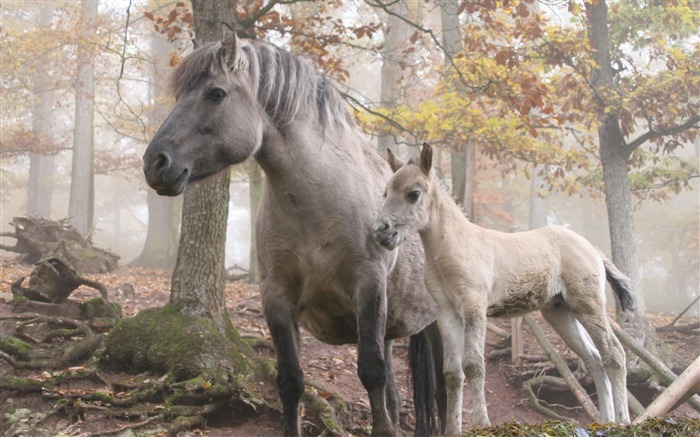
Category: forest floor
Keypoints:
(331, 368)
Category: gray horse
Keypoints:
(320, 265)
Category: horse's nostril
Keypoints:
(162, 162)
(381, 226)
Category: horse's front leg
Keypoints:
(371, 366)
(284, 330)
(473, 361)
(452, 335)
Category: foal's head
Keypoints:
(407, 199)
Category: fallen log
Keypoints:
(676, 393)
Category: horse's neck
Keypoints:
(447, 221)
(306, 157)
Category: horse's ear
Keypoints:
(394, 162)
(196, 44)
(426, 159)
(230, 46)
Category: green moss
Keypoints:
(14, 346)
(22, 384)
(658, 426)
(164, 340)
(97, 308)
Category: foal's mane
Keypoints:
(284, 83)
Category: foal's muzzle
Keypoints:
(385, 234)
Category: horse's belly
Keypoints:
(518, 301)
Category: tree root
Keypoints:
(539, 382)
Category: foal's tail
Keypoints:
(621, 284)
(423, 377)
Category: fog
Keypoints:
(668, 230)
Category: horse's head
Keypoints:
(217, 120)
(406, 200)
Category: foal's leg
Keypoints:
(473, 361)
(613, 355)
(393, 400)
(452, 335)
(285, 336)
(371, 365)
(578, 340)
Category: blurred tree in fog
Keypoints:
(81, 209)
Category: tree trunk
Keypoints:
(462, 155)
(81, 203)
(614, 156)
(198, 280)
(255, 182)
(538, 203)
(160, 248)
(41, 167)
(396, 33)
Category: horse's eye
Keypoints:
(384, 194)
(216, 95)
(413, 195)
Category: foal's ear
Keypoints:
(196, 44)
(230, 46)
(426, 159)
(394, 162)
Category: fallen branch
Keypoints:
(578, 391)
(667, 327)
(659, 367)
(536, 402)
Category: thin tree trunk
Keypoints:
(396, 33)
(160, 247)
(41, 167)
(462, 155)
(255, 178)
(81, 204)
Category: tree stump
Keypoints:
(39, 238)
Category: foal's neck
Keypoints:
(446, 219)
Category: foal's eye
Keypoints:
(216, 95)
(413, 195)
(384, 194)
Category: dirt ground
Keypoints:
(330, 368)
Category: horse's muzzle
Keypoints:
(385, 235)
(163, 175)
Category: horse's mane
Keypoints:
(284, 83)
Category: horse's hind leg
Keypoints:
(285, 336)
(578, 340)
(613, 356)
(433, 333)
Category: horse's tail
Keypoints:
(423, 377)
(621, 284)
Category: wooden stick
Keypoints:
(663, 371)
(564, 371)
(676, 393)
(681, 314)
